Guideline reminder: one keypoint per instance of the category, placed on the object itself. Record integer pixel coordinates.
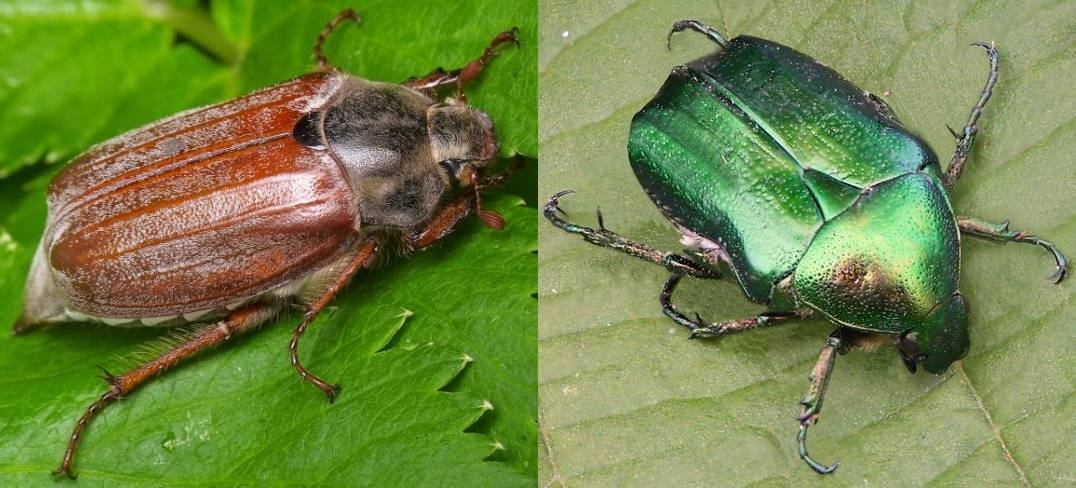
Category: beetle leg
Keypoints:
(963, 146)
(441, 224)
(241, 320)
(319, 55)
(717, 329)
(1001, 233)
(461, 76)
(696, 26)
(677, 264)
(450, 215)
(447, 219)
(362, 258)
(702, 330)
(812, 403)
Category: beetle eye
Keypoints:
(452, 166)
(306, 131)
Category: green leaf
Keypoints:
(76, 73)
(628, 400)
(418, 385)
(73, 74)
(394, 339)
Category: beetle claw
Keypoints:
(819, 468)
(696, 26)
(331, 393)
(554, 201)
(1060, 264)
(514, 33)
(64, 472)
(1059, 275)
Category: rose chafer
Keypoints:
(814, 197)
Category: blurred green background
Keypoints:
(423, 347)
(627, 400)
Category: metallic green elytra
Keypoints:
(814, 197)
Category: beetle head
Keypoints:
(941, 338)
(461, 139)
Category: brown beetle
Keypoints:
(228, 213)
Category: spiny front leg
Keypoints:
(675, 263)
(1001, 233)
(364, 255)
(812, 403)
(452, 213)
(238, 321)
(700, 329)
(965, 138)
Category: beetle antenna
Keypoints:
(696, 26)
(319, 55)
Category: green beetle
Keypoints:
(814, 197)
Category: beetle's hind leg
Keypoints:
(241, 320)
(965, 138)
(703, 330)
(812, 402)
(1001, 233)
(461, 76)
(677, 264)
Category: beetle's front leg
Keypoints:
(1001, 233)
(965, 138)
(697, 26)
(450, 215)
(319, 55)
(812, 403)
(364, 255)
(461, 76)
(241, 320)
(442, 224)
(677, 264)
(702, 330)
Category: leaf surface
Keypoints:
(424, 346)
(627, 400)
